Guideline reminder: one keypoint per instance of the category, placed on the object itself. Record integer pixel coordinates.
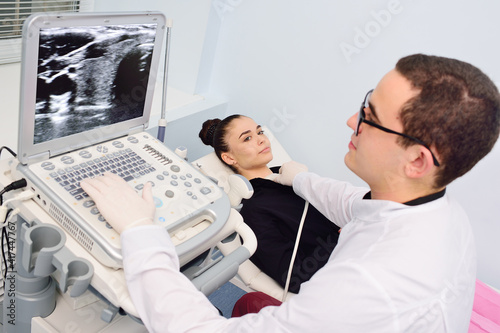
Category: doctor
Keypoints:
(405, 261)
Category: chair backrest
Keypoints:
(251, 276)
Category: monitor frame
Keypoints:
(30, 152)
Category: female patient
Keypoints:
(274, 210)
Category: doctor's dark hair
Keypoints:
(213, 133)
(456, 113)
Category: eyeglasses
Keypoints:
(362, 119)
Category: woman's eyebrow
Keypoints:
(244, 133)
(248, 131)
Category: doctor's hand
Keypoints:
(288, 171)
(119, 203)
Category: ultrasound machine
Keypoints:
(86, 96)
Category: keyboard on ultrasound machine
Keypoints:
(191, 207)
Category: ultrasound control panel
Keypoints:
(188, 204)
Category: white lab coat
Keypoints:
(396, 268)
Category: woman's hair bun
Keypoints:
(208, 130)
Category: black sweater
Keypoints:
(273, 212)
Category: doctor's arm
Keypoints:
(331, 197)
(165, 299)
(168, 302)
(150, 261)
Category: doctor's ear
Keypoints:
(420, 162)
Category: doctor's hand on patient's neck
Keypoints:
(288, 171)
(119, 203)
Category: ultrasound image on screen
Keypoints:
(89, 77)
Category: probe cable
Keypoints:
(5, 263)
(8, 149)
(12, 186)
(5, 214)
(299, 232)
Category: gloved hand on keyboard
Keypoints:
(288, 171)
(119, 203)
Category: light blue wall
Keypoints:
(302, 68)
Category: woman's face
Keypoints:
(249, 147)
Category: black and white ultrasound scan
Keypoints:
(90, 77)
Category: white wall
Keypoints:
(282, 62)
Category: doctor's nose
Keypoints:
(352, 122)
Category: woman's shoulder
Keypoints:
(268, 184)
(266, 189)
(266, 181)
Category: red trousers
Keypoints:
(253, 303)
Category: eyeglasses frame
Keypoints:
(362, 119)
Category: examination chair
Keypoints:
(250, 277)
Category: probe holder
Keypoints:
(43, 253)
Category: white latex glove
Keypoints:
(119, 203)
(288, 171)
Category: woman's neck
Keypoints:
(261, 172)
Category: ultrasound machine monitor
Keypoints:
(87, 86)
